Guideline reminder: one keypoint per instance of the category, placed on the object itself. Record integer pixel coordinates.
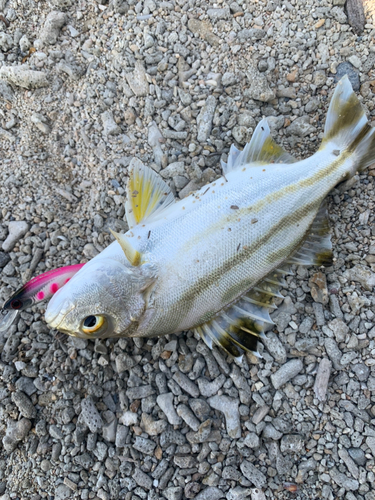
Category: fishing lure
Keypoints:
(40, 288)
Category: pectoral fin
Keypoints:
(133, 256)
(147, 193)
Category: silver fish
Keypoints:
(214, 261)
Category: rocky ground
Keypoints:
(84, 87)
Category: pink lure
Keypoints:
(41, 287)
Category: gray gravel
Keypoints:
(85, 87)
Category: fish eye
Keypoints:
(16, 304)
(91, 324)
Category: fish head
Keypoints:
(104, 299)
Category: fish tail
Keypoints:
(348, 128)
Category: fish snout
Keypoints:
(56, 313)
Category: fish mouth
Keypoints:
(55, 317)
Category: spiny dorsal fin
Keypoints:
(316, 249)
(238, 328)
(147, 193)
(261, 149)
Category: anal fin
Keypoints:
(238, 328)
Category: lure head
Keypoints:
(17, 302)
(105, 299)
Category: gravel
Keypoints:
(286, 373)
(322, 379)
(85, 87)
(16, 229)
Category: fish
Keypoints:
(215, 261)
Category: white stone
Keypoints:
(129, 418)
(229, 407)
(17, 229)
(165, 401)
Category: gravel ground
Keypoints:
(86, 86)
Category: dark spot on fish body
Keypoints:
(234, 207)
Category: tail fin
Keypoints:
(347, 126)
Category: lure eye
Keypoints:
(92, 324)
(16, 304)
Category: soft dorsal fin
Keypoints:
(261, 149)
(147, 193)
(316, 248)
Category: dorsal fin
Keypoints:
(261, 149)
(147, 193)
(316, 248)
